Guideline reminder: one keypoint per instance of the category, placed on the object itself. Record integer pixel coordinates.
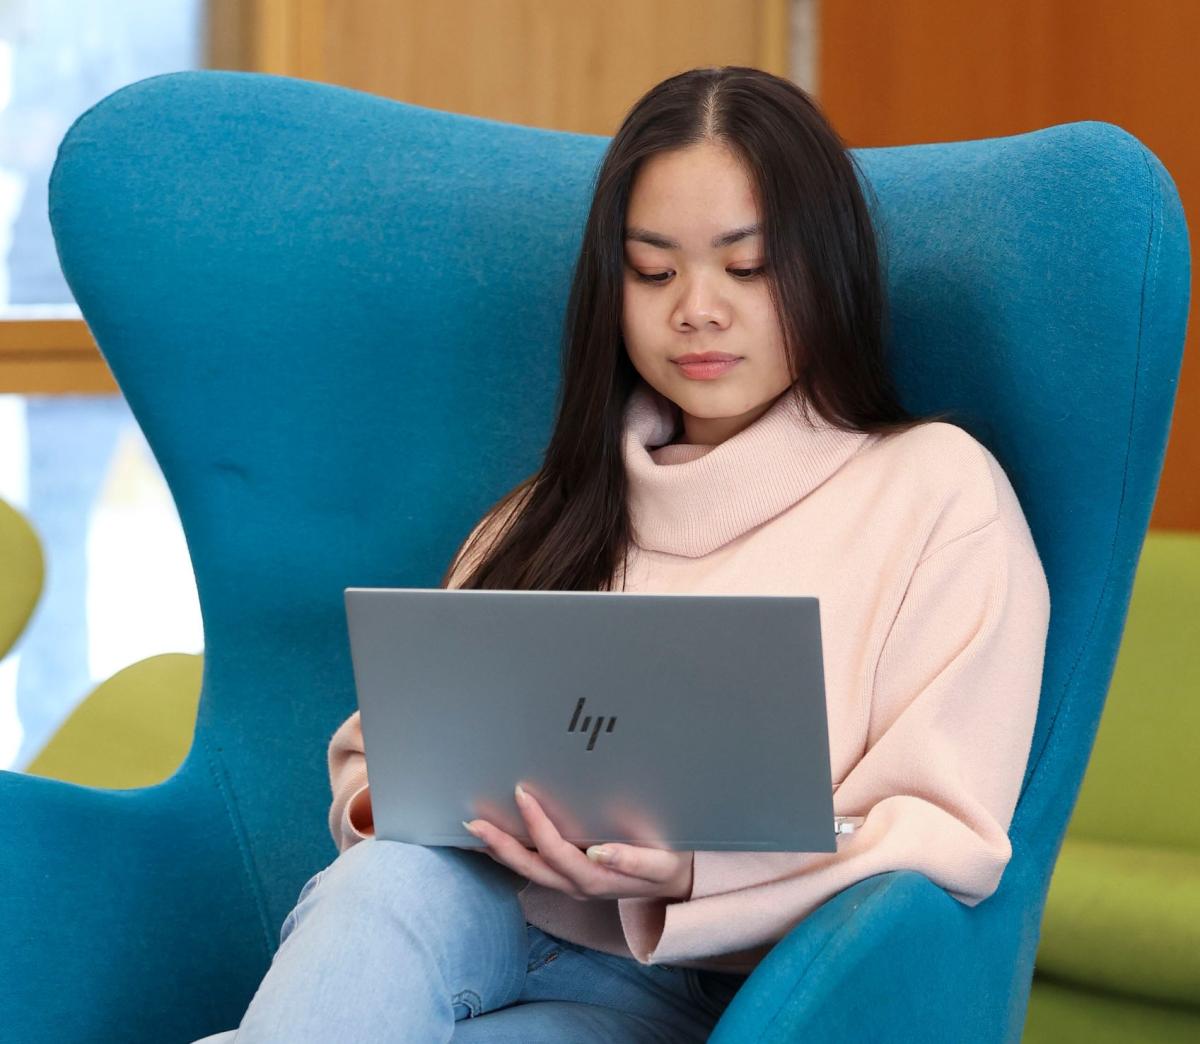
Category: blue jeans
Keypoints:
(403, 942)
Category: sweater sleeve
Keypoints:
(350, 817)
(951, 721)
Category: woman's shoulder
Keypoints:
(945, 467)
(486, 532)
(937, 437)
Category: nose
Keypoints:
(701, 303)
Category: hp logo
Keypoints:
(583, 725)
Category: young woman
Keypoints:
(726, 424)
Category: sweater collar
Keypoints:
(689, 500)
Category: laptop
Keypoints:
(679, 721)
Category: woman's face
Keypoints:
(686, 290)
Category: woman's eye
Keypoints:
(745, 274)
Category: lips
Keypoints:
(706, 371)
(700, 357)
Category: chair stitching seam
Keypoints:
(239, 837)
(1149, 281)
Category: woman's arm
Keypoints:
(951, 722)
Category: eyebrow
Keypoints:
(657, 239)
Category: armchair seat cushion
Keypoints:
(1126, 918)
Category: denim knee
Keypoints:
(289, 922)
(376, 875)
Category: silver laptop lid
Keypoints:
(683, 721)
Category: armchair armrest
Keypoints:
(894, 957)
(123, 919)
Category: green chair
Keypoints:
(134, 729)
(23, 569)
(1119, 955)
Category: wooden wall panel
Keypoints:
(895, 72)
(563, 64)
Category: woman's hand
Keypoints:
(630, 872)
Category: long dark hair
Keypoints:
(566, 527)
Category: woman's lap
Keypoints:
(552, 1022)
(387, 918)
(575, 993)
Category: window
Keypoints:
(119, 584)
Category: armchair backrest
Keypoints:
(337, 319)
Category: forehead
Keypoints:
(691, 195)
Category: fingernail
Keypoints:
(520, 793)
(599, 853)
(470, 828)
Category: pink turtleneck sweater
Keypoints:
(934, 613)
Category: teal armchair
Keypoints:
(337, 317)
